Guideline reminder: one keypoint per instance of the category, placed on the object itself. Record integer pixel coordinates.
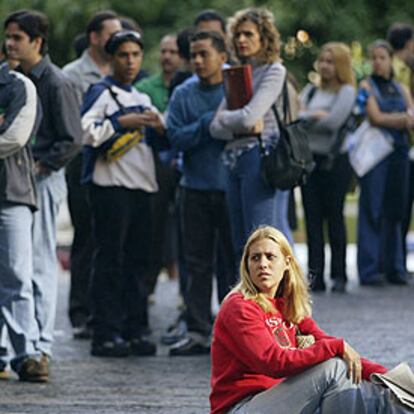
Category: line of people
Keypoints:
(146, 140)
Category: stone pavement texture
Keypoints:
(378, 322)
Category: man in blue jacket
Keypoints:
(203, 206)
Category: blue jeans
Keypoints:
(16, 294)
(282, 207)
(251, 203)
(51, 192)
(380, 241)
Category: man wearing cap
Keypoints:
(119, 166)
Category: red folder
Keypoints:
(238, 86)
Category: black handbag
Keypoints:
(288, 163)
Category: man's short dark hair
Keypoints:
(399, 34)
(97, 20)
(128, 23)
(208, 16)
(33, 23)
(80, 44)
(123, 36)
(183, 42)
(217, 40)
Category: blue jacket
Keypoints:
(190, 112)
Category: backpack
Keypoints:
(288, 163)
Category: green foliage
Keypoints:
(324, 20)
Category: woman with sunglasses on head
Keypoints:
(258, 362)
(255, 41)
(382, 202)
(327, 107)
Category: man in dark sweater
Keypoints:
(54, 145)
(203, 207)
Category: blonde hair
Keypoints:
(292, 287)
(269, 35)
(341, 55)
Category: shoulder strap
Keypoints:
(287, 116)
(311, 93)
(114, 95)
(376, 92)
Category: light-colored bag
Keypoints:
(367, 147)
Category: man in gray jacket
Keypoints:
(55, 144)
(84, 72)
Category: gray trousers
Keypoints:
(322, 389)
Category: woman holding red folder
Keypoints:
(255, 41)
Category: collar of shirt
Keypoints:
(125, 86)
(89, 64)
(37, 70)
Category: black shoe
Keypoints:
(175, 333)
(116, 347)
(339, 286)
(398, 279)
(82, 332)
(316, 282)
(188, 347)
(142, 347)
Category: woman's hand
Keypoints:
(258, 128)
(410, 118)
(319, 114)
(353, 360)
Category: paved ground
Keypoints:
(378, 322)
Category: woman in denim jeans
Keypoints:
(259, 363)
(251, 202)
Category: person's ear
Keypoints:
(288, 260)
(37, 43)
(93, 38)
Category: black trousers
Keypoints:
(206, 227)
(409, 208)
(122, 231)
(82, 245)
(167, 178)
(323, 201)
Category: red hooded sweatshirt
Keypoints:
(252, 351)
